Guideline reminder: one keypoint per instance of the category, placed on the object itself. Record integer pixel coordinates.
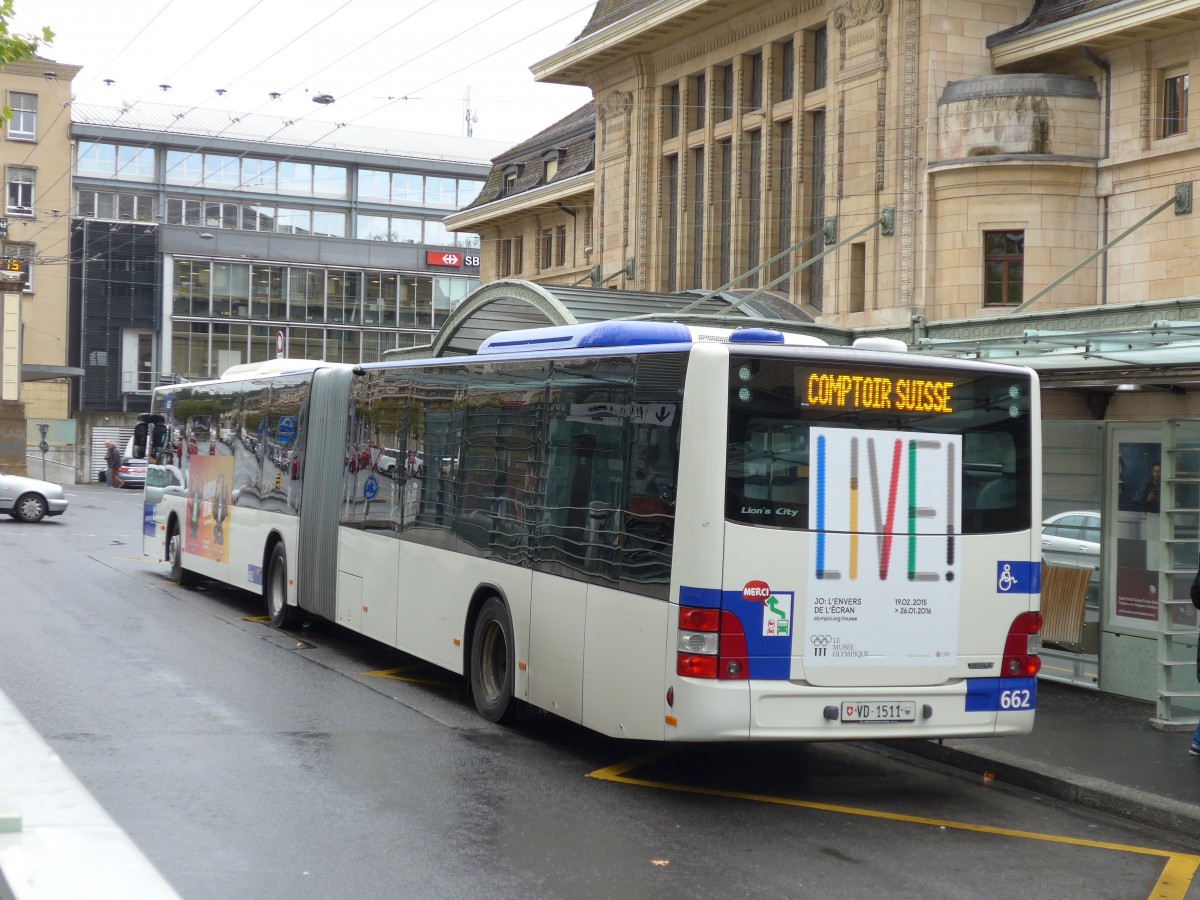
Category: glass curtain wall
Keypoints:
(225, 313)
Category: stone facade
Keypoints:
(725, 133)
(41, 232)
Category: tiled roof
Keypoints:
(574, 135)
(1050, 12)
(201, 122)
(609, 11)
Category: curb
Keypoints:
(1182, 819)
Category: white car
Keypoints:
(31, 500)
(1072, 539)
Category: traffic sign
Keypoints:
(370, 488)
(279, 343)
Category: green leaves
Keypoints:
(16, 47)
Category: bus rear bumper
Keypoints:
(784, 711)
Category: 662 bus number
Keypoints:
(1021, 698)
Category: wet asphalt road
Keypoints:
(252, 763)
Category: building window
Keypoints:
(725, 210)
(329, 224)
(698, 217)
(545, 249)
(256, 218)
(258, 174)
(671, 202)
(726, 110)
(784, 140)
(818, 58)
(510, 182)
(1003, 267)
(441, 191)
(20, 191)
(23, 124)
(699, 102)
(182, 167)
(549, 169)
(1174, 101)
(92, 204)
(754, 204)
(295, 178)
(858, 277)
(293, 221)
(672, 104)
(754, 70)
(560, 241)
(787, 71)
(220, 171)
(408, 189)
(436, 233)
(509, 259)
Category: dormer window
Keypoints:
(511, 173)
(550, 161)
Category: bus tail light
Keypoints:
(711, 644)
(1022, 647)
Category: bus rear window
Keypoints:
(776, 402)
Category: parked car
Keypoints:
(132, 473)
(1072, 539)
(29, 499)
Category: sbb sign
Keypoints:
(448, 258)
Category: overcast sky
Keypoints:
(405, 64)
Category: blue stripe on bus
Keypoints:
(592, 335)
(1001, 694)
(770, 657)
(708, 598)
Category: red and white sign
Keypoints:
(279, 343)
(442, 258)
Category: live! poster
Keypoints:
(208, 502)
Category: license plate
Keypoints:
(879, 711)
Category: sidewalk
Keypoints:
(1092, 749)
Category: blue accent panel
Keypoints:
(756, 336)
(1001, 694)
(706, 598)
(1018, 576)
(770, 656)
(254, 574)
(594, 335)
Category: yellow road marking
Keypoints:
(397, 675)
(264, 620)
(1172, 884)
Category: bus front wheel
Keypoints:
(179, 574)
(492, 663)
(276, 588)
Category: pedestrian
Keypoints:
(112, 458)
(1194, 749)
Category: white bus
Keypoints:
(657, 531)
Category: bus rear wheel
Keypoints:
(492, 663)
(179, 574)
(275, 589)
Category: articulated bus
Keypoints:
(657, 531)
